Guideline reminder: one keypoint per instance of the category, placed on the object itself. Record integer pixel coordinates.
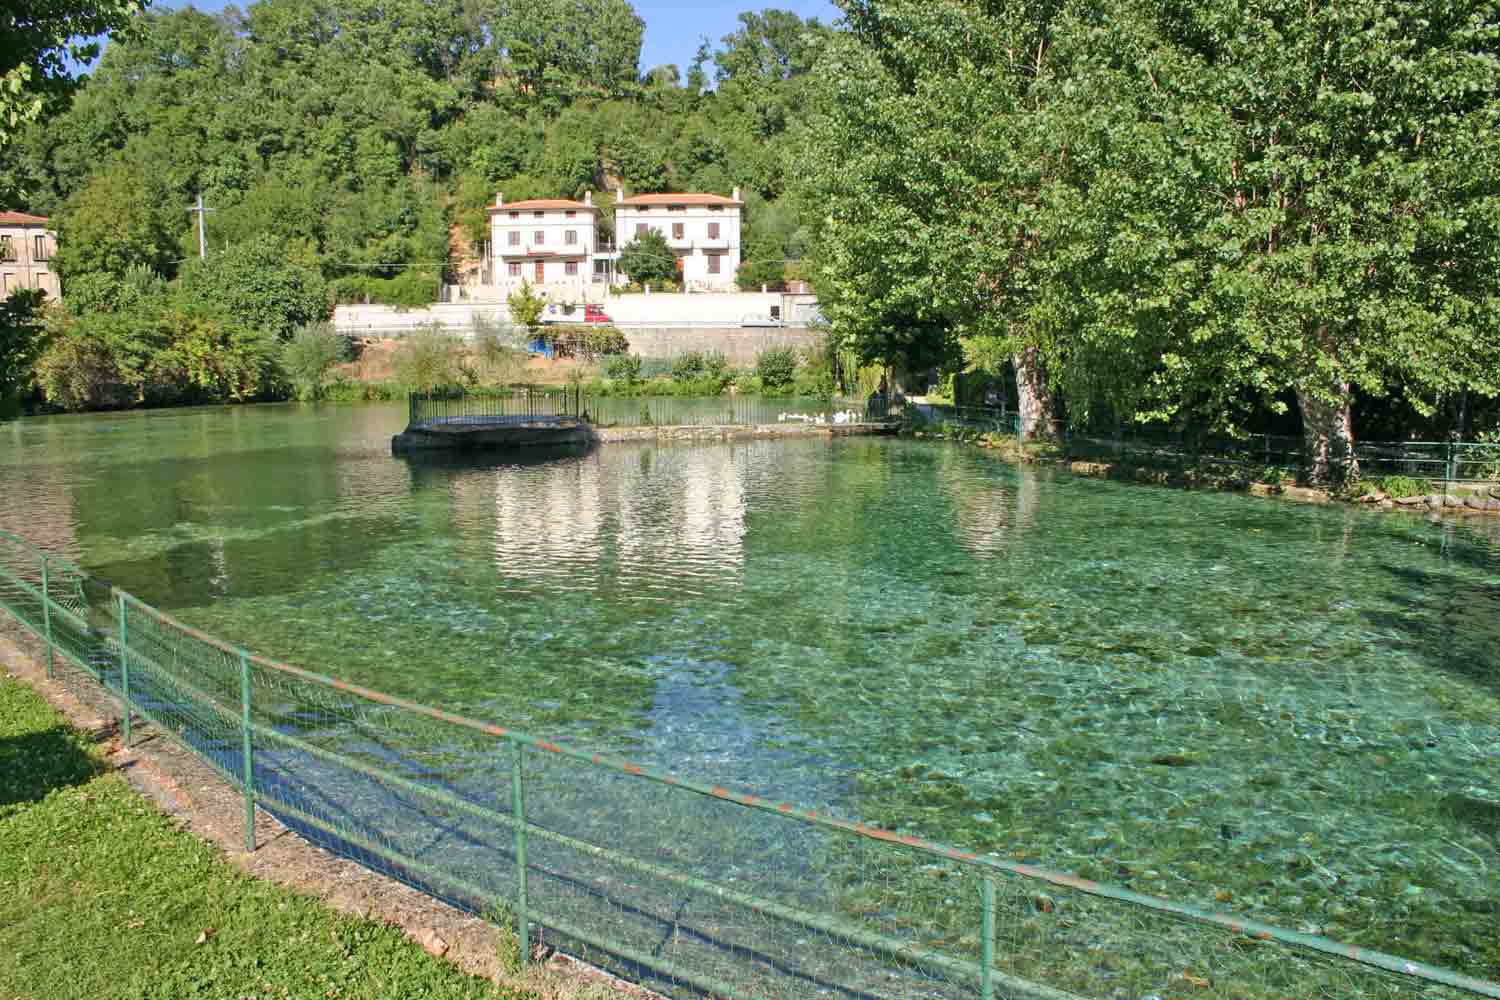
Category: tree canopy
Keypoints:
(1181, 213)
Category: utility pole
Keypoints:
(202, 235)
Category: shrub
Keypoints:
(688, 367)
(310, 355)
(1404, 486)
(754, 273)
(818, 384)
(587, 343)
(428, 359)
(257, 285)
(699, 374)
(412, 288)
(624, 368)
(776, 368)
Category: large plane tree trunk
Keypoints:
(1328, 434)
(1034, 396)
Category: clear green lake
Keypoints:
(1291, 712)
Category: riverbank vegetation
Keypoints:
(1170, 220)
(105, 897)
(352, 154)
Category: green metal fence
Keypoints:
(1435, 461)
(689, 887)
(451, 406)
(485, 407)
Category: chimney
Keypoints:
(588, 198)
(619, 192)
(736, 194)
(499, 199)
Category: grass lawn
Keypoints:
(101, 896)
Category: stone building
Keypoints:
(26, 249)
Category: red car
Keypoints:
(569, 314)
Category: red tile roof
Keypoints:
(641, 200)
(543, 205)
(22, 219)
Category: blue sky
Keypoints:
(673, 27)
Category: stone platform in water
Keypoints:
(503, 433)
(493, 434)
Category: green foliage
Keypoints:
(623, 368)
(412, 288)
(162, 352)
(114, 223)
(707, 374)
(648, 258)
(1404, 486)
(526, 307)
(362, 146)
(756, 273)
(22, 339)
(1208, 225)
(309, 356)
(37, 46)
(586, 342)
(431, 358)
(776, 367)
(257, 285)
(209, 359)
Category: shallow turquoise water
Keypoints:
(1289, 711)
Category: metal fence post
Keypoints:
(987, 940)
(47, 614)
(518, 810)
(1452, 470)
(247, 751)
(124, 671)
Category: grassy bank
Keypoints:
(105, 897)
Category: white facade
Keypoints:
(703, 231)
(547, 243)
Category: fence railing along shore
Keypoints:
(499, 406)
(687, 885)
(1450, 461)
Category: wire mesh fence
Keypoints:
(687, 887)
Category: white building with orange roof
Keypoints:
(549, 243)
(26, 248)
(702, 229)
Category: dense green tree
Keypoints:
(37, 41)
(1352, 164)
(648, 258)
(255, 284)
(1170, 218)
(115, 222)
(21, 342)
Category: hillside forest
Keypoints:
(1214, 216)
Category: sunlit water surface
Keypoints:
(1286, 710)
